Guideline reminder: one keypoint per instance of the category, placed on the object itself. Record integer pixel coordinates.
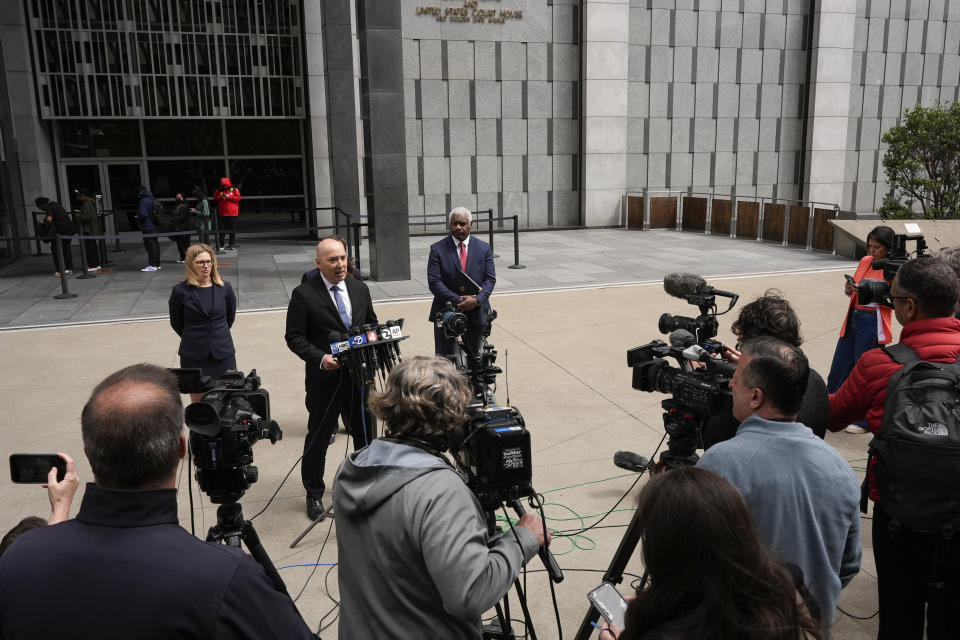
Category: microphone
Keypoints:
(682, 338)
(681, 285)
(630, 461)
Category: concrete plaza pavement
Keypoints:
(564, 327)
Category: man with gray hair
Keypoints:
(124, 568)
(415, 556)
(801, 492)
(457, 254)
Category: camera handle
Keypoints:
(231, 528)
(549, 562)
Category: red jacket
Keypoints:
(227, 199)
(866, 271)
(865, 390)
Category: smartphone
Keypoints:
(33, 468)
(850, 279)
(609, 603)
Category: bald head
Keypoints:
(332, 259)
(132, 428)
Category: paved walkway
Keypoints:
(265, 272)
(563, 347)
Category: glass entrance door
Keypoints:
(123, 181)
(82, 177)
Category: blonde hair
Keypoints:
(193, 275)
(424, 396)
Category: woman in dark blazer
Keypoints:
(202, 310)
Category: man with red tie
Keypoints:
(461, 252)
(320, 310)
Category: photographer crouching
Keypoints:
(409, 531)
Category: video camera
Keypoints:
(493, 447)
(869, 291)
(233, 414)
(696, 393)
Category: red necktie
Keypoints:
(463, 256)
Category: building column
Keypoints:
(320, 183)
(27, 143)
(829, 107)
(381, 56)
(604, 52)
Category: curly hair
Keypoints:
(424, 396)
(769, 315)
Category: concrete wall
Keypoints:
(903, 53)
(492, 111)
(716, 92)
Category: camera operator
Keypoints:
(124, 568)
(771, 315)
(802, 493)
(914, 568)
(416, 558)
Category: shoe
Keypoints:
(149, 268)
(157, 268)
(314, 507)
(68, 272)
(855, 428)
(93, 268)
(333, 438)
(181, 261)
(231, 248)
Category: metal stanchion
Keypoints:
(490, 231)
(63, 270)
(516, 244)
(356, 243)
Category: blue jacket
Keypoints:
(442, 266)
(804, 497)
(145, 211)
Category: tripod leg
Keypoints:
(252, 540)
(614, 574)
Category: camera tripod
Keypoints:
(684, 434)
(232, 528)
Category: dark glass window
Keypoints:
(268, 176)
(167, 177)
(99, 138)
(183, 137)
(263, 137)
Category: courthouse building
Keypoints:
(397, 110)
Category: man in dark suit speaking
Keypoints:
(329, 304)
(461, 252)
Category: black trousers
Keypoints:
(326, 406)
(153, 251)
(916, 571)
(183, 242)
(92, 249)
(228, 226)
(67, 255)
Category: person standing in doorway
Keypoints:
(57, 221)
(147, 225)
(90, 223)
(227, 198)
(201, 213)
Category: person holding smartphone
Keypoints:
(711, 574)
(865, 326)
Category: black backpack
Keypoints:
(918, 447)
(161, 219)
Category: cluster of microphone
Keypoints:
(370, 352)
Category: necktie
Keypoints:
(463, 256)
(340, 308)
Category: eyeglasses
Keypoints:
(203, 263)
(888, 299)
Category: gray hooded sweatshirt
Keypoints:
(415, 559)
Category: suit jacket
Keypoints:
(312, 317)
(443, 265)
(202, 334)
